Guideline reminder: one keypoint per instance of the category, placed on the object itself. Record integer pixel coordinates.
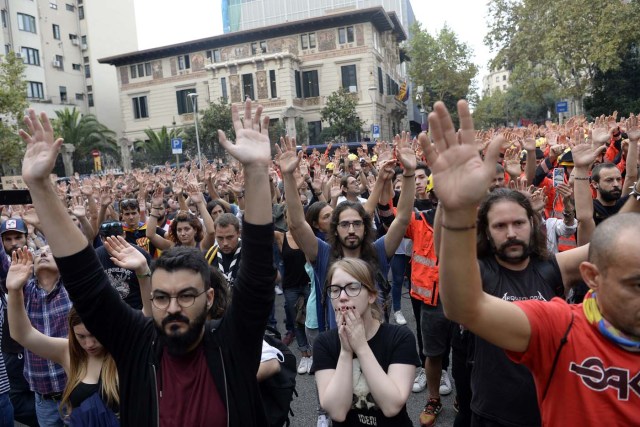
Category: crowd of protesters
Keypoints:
(143, 298)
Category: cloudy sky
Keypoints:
(161, 23)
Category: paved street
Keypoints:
(304, 406)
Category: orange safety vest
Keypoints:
(424, 262)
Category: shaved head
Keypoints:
(605, 240)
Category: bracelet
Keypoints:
(409, 176)
(466, 228)
(142, 276)
(580, 178)
(154, 216)
(318, 194)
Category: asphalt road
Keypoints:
(305, 405)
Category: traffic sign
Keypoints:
(376, 131)
(176, 145)
(562, 107)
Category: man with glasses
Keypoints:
(136, 230)
(174, 368)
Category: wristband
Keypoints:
(581, 178)
(409, 176)
(464, 228)
(154, 216)
(142, 276)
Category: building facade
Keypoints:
(495, 80)
(59, 42)
(290, 69)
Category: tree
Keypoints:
(340, 112)
(491, 110)
(216, 116)
(441, 65)
(302, 131)
(86, 134)
(570, 40)
(13, 103)
(156, 149)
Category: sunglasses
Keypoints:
(129, 204)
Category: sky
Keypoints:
(163, 22)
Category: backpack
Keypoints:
(277, 392)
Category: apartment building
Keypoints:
(59, 42)
(289, 68)
(495, 80)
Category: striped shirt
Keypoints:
(48, 314)
(4, 380)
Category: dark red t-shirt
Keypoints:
(189, 394)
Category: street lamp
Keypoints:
(194, 104)
(372, 94)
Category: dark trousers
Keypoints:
(461, 371)
(416, 306)
(22, 399)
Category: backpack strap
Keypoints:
(211, 254)
(563, 341)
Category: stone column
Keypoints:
(67, 158)
(125, 153)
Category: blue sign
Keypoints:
(176, 145)
(376, 131)
(562, 107)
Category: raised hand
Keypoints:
(460, 177)
(406, 155)
(124, 255)
(42, 148)
(21, 269)
(512, 162)
(288, 160)
(583, 151)
(633, 130)
(252, 137)
(601, 133)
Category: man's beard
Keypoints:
(503, 255)
(179, 345)
(610, 196)
(351, 244)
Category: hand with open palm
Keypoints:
(252, 146)
(42, 148)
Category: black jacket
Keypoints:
(232, 349)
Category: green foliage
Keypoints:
(276, 130)
(491, 111)
(441, 64)
(302, 131)
(568, 41)
(85, 133)
(216, 116)
(156, 149)
(340, 112)
(13, 103)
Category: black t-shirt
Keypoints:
(391, 344)
(601, 212)
(139, 237)
(123, 280)
(504, 391)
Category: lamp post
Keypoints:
(194, 104)
(372, 94)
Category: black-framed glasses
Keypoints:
(129, 204)
(352, 289)
(162, 301)
(345, 225)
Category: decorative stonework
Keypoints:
(124, 75)
(234, 88)
(326, 40)
(197, 62)
(156, 66)
(261, 79)
(173, 65)
(359, 28)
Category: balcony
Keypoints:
(394, 106)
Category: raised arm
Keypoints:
(303, 234)
(398, 227)
(461, 179)
(55, 349)
(152, 223)
(631, 172)
(209, 228)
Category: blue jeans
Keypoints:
(6, 410)
(291, 296)
(398, 264)
(47, 412)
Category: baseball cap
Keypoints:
(13, 224)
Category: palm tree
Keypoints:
(157, 146)
(86, 134)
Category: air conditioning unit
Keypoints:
(57, 64)
(75, 42)
(84, 46)
(353, 89)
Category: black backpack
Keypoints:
(277, 392)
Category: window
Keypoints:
(184, 102)
(310, 87)
(258, 47)
(345, 34)
(89, 88)
(497, 79)
(58, 62)
(223, 85)
(30, 56)
(349, 78)
(376, 42)
(7, 49)
(247, 86)
(53, 4)
(90, 99)
(308, 40)
(85, 59)
(63, 94)
(184, 63)
(81, 12)
(87, 71)
(74, 39)
(26, 23)
(35, 90)
(79, 96)
(213, 55)
(3, 13)
(380, 81)
(84, 42)
(56, 31)
(140, 107)
(140, 70)
(504, 77)
(70, 7)
(298, 84)
(76, 67)
(272, 83)
(314, 132)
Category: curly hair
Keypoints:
(193, 222)
(538, 242)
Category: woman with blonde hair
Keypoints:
(90, 397)
(365, 369)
